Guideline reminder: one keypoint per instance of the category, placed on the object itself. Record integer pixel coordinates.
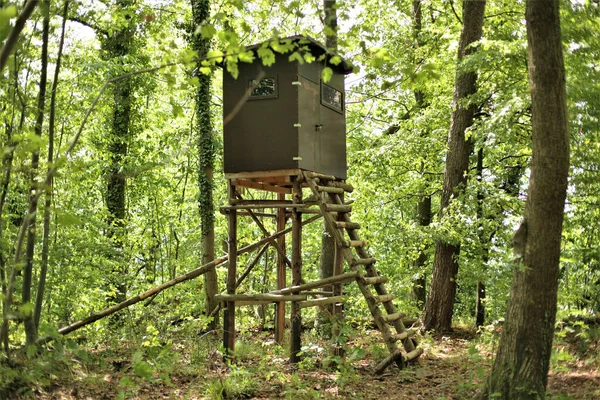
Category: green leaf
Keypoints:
(232, 67)
(335, 60)
(295, 56)
(208, 31)
(309, 58)
(66, 219)
(246, 56)
(327, 74)
(215, 55)
(266, 55)
(26, 308)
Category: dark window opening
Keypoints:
(263, 88)
(332, 98)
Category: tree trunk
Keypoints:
(424, 203)
(30, 326)
(39, 299)
(440, 302)
(520, 370)
(118, 45)
(327, 258)
(13, 37)
(485, 244)
(206, 154)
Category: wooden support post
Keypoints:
(338, 269)
(295, 316)
(281, 278)
(229, 318)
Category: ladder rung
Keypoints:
(363, 261)
(329, 189)
(345, 186)
(355, 243)
(413, 354)
(373, 280)
(322, 176)
(404, 335)
(385, 298)
(347, 225)
(392, 317)
(338, 208)
(388, 360)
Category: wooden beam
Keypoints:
(229, 319)
(225, 209)
(295, 314)
(259, 297)
(288, 173)
(349, 276)
(262, 186)
(281, 274)
(321, 302)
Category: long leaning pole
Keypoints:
(157, 289)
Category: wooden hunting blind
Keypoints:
(285, 133)
(284, 116)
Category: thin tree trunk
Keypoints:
(440, 302)
(424, 203)
(30, 326)
(485, 244)
(48, 201)
(8, 163)
(520, 370)
(327, 257)
(206, 154)
(13, 37)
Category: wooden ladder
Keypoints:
(329, 194)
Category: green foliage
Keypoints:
(239, 384)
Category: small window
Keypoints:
(263, 88)
(332, 98)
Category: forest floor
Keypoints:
(453, 366)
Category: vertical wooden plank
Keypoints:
(295, 316)
(281, 278)
(229, 318)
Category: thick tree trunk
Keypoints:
(206, 154)
(440, 302)
(521, 367)
(117, 45)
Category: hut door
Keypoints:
(309, 111)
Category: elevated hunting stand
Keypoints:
(284, 130)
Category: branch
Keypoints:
(454, 11)
(11, 41)
(83, 22)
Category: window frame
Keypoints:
(275, 95)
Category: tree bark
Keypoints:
(424, 203)
(440, 302)
(39, 299)
(206, 155)
(485, 245)
(30, 326)
(118, 45)
(520, 370)
(13, 37)
(327, 257)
